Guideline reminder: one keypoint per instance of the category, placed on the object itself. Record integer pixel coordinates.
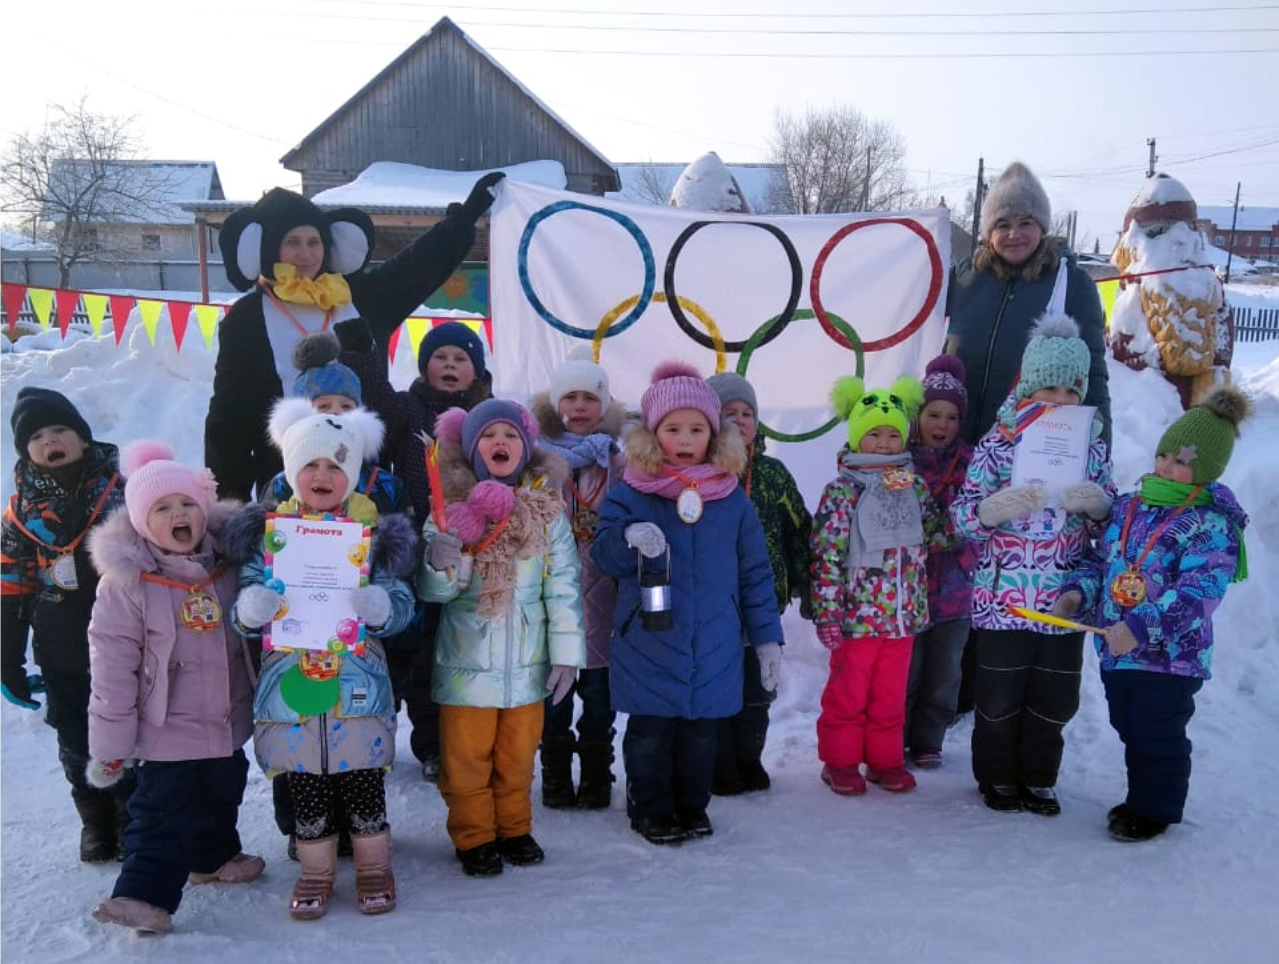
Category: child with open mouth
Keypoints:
(166, 583)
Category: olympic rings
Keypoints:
(674, 302)
(716, 336)
(761, 336)
(912, 326)
(646, 253)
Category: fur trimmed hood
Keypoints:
(727, 450)
(393, 549)
(120, 553)
(617, 421)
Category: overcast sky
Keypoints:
(1073, 94)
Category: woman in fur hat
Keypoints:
(307, 270)
(1017, 273)
(505, 568)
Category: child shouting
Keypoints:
(161, 605)
(680, 518)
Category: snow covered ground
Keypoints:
(793, 874)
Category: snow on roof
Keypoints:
(754, 180)
(391, 184)
(13, 241)
(1250, 218)
(1217, 258)
(165, 184)
(1161, 189)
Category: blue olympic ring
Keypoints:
(646, 252)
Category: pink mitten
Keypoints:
(828, 635)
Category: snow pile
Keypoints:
(707, 185)
(392, 184)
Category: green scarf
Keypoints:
(1167, 494)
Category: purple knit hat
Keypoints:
(675, 386)
(944, 381)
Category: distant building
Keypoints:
(1256, 231)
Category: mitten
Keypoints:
(20, 687)
(1120, 639)
(1068, 603)
(106, 773)
(1087, 497)
(257, 606)
(481, 197)
(445, 551)
(372, 604)
(647, 538)
(1011, 503)
(354, 334)
(770, 665)
(830, 636)
(559, 682)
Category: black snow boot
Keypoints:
(750, 733)
(596, 790)
(557, 773)
(120, 807)
(727, 781)
(97, 831)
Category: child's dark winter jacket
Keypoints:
(886, 600)
(361, 734)
(721, 590)
(55, 509)
(162, 691)
(951, 557)
(1186, 574)
(786, 521)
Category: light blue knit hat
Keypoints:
(1055, 355)
(319, 371)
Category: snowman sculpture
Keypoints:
(1173, 316)
(708, 185)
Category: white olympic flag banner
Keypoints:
(791, 302)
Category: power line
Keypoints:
(946, 55)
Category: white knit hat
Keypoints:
(303, 435)
(579, 373)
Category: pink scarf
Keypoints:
(710, 480)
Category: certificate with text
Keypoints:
(1051, 450)
(315, 563)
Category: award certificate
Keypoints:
(1051, 450)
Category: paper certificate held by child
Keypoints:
(1051, 444)
(315, 563)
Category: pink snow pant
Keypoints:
(864, 703)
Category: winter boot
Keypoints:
(121, 807)
(596, 789)
(240, 869)
(557, 773)
(727, 781)
(319, 860)
(374, 881)
(750, 732)
(97, 830)
(130, 912)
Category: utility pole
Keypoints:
(1234, 219)
(978, 196)
(1150, 166)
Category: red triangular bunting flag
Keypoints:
(393, 344)
(67, 301)
(488, 331)
(179, 314)
(121, 306)
(13, 298)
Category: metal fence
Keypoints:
(1256, 324)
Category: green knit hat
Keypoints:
(1054, 355)
(1204, 437)
(865, 409)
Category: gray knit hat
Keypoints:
(731, 387)
(1015, 191)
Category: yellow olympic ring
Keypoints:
(692, 307)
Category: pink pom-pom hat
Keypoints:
(676, 386)
(151, 473)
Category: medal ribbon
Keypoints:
(586, 501)
(672, 473)
(71, 546)
(491, 538)
(191, 588)
(945, 477)
(1123, 535)
(266, 288)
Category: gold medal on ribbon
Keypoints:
(689, 506)
(64, 572)
(200, 612)
(896, 478)
(318, 666)
(1128, 589)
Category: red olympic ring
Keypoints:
(934, 285)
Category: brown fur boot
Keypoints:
(374, 881)
(319, 860)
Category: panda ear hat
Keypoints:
(250, 238)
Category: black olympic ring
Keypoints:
(784, 319)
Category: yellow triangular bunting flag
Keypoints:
(41, 304)
(206, 317)
(150, 314)
(417, 328)
(95, 306)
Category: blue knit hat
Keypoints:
(483, 415)
(1055, 355)
(319, 371)
(458, 335)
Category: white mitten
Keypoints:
(257, 606)
(106, 773)
(1120, 640)
(559, 682)
(445, 551)
(1087, 497)
(1011, 503)
(372, 604)
(1068, 604)
(770, 665)
(647, 538)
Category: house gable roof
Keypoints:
(163, 187)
